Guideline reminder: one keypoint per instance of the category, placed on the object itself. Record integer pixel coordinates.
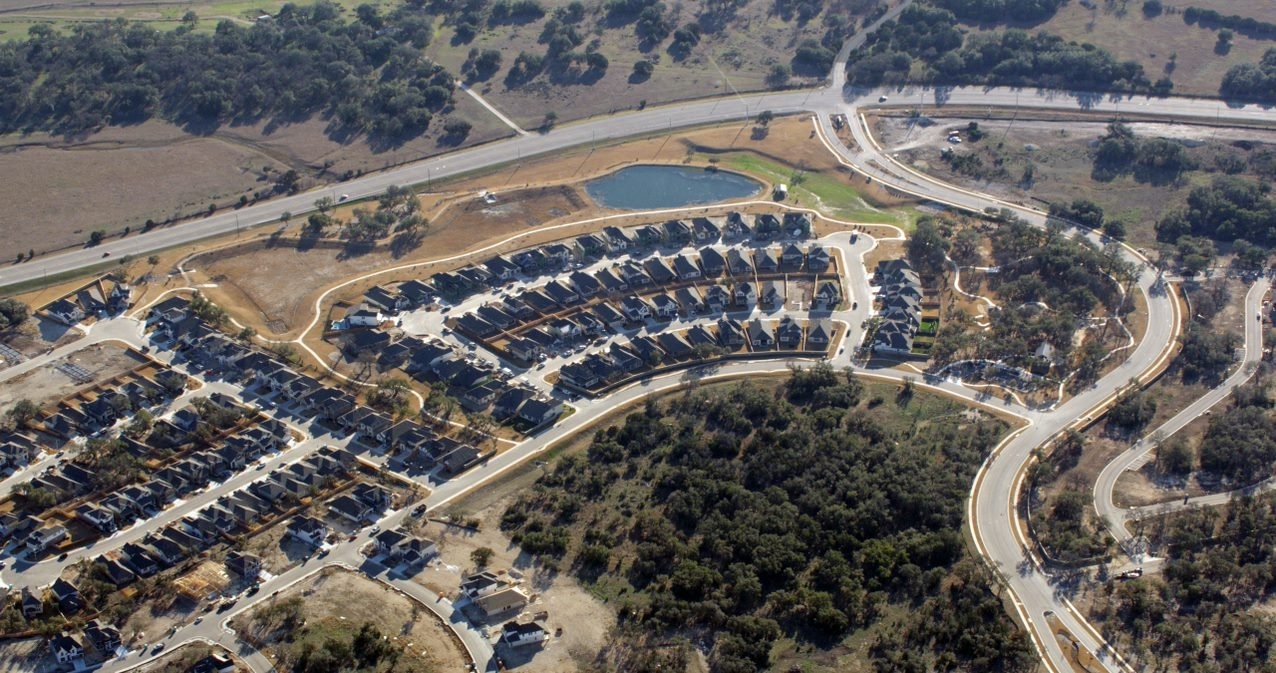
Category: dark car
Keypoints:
(253, 589)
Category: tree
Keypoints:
(482, 556)
(13, 313)
(323, 204)
(764, 117)
(1114, 229)
(457, 128)
(153, 260)
(1224, 40)
(643, 70)
(96, 237)
(22, 412)
(778, 76)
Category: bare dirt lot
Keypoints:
(336, 603)
(584, 619)
(46, 385)
(26, 656)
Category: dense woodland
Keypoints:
(1252, 81)
(1228, 209)
(363, 76)
(1202, 613)
(805, 512)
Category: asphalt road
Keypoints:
(622, 125)
(993, 514)
(1138, 454)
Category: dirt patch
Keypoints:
(46, 385)
(183, 658)
(336, 603)
(584, 619)
(26, 656)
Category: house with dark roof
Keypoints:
(649, 235)
(789, 332)
(826, 297)
(664, 307)
(559, 254)
(502, 268)
(635, 309)
(561, 294)
(139, 560)
(659, 271)
(386, 299)
(104, 637)
(817, 259)
(761, 336)
(634, 275)
(308, 529)
(739, 264)
(772, 294)
(67, 595)
(612, 281)
(797, 224)
(460, 458)
(624, 358)
(689, 299)
(703, 230)
(480, 397)
(578, 375)
(736, 228)
(585, 284)
(686, 268)
(699, 336)
(418, 292)
(524, 349)
(350, 508)
(538, 411)
(357, 342)
(246, 566)
(32, 604)
(539, 302)
(494, 314)
(673, 344)
(712, 262)
(608, 315)
(482, 583)
(517, 634)
(618, 239)
(116, 572)
(213, 663)
(792, 257)
(65, 311)
(364, 315)
(474, 326)
(765, 226)
(648, 349)
(41, 540)
(66, 649)
(745, 295)
(592, 246)
(509, 402)
(677, 232)
(730, 332)
(767, 261)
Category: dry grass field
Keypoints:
(65, 188)
(1121, 28)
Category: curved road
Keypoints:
(993, 514)
(1140, 452)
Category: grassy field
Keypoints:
(828, 192)
(1197, 68)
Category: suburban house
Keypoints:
(826, 296)
(618, 239)
(689, 298)
(819, 333)
(562, 294)
(502, 268)
(364, 315)
(67, 595)
(666, 307)
(745, 295)
(791, 257)
(772, 294)
(32, 605)
(592, 246)
(214, 663)
(717, 298)
(659, 271)
(738, 264)
(417, 292)
(673, 344)
(712, 262)
(501, 601)
(817, 259)
(767, 261)
(677, 232)
(586, 284)
(42, 539)
(66, 311)
(686, 268)
(244, 565)
(612, 281)
(635, 309)
(624, 358)
(482, 583)
(104, 637)
(538, 411)
(704, 231)
(761, 337)
(386, 299)
(789, 332)
(515, 634)
(66, 649)
(308, 529)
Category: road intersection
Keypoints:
(993, 506)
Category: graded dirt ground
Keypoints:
(338, 602)
(46, 385)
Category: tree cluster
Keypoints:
(367, 76)
(1227, 209)
(1198, 614)
(930, 37)
(795, 513)
(1154, 160)
(998, 11)
(1240, 444)
(1251, 81)
(1245, 25)
(1206, 353)
(13, 313)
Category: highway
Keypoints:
(1141, 451)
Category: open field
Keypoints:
(336, 603)
(122, 176)
(1122, 29)
(47, 385)
(1061, 157)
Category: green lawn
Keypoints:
(826, 193)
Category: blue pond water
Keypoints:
(648, 187)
